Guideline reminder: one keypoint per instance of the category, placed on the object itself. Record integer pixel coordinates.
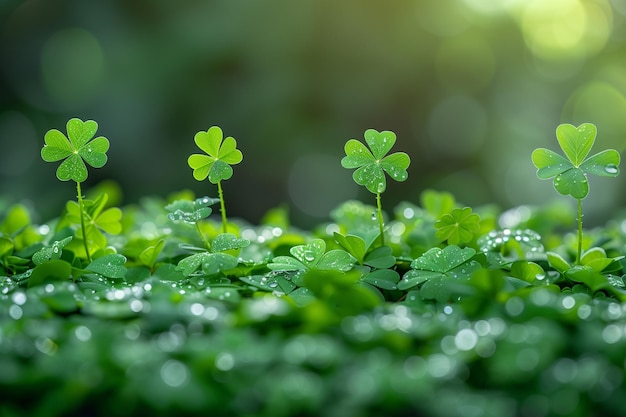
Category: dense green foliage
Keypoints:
(459, 311)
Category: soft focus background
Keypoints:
(470, 87)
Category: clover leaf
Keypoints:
(80, 148)
(220, 155)
(570, 173)
(313, 256)
(216, 164)
(371, 166)
(458, 226)
(436, 263)
(189, 211)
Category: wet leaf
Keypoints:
(110, 266)
(372, 166)
(220, 155)
(570, 173)
(75, 151)
(53, 251)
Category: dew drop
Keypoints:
(611, 169)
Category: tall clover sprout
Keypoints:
(75, 151)
(570, 174)
(371, 166)
(216, 163)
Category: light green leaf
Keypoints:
(604, 164)
(572, 182)
(380, 142)
(576, 142)
(220, 155)
(110, 266)
(56, 146)
(73, 168)
(549, 163)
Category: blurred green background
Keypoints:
(470, 87)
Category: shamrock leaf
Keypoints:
(313, 256)
(110, 266)
(216, 164)
(75, 151)
(437, 263)
(372, 165)
(49, 253)
(458, 226)
(191, 211)
(570, 174)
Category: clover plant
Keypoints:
(458, 226)
(191, 212)
(570, 174)
(81, 147)
(372, 164)
(216, 163)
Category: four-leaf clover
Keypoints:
(80, 148)
(221, 154)
(371, 166)
(570, 174)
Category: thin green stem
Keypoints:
(222, 206)
(580, 231)
(204, 239)
(380, 219)
(82, 220)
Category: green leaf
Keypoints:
(549, 163)
(576, 142)
(557, 262)
(380, 142)
(335, 260)
(80, 132)
(55, 270)
(415, 277)
(220, 155)
(52, 252)
(386, 279)
(458, 226)
(527, 271)
(191, 211)
(572, 182)
(586, 275)
(211, 263)
(76, 150)
(73, 168)
(286, 263)
(110, 266)
(56, 147)
(603, 164)
(309, 254)
(150, 254)
(215, 263)
(443, 260)
(353, 244)
(371, 166)
(570, 174)
(381, 257)
(227, 241)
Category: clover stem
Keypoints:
(204, 239)
(380, 219)
(580, 231)
(222, 206)
(82, 219)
